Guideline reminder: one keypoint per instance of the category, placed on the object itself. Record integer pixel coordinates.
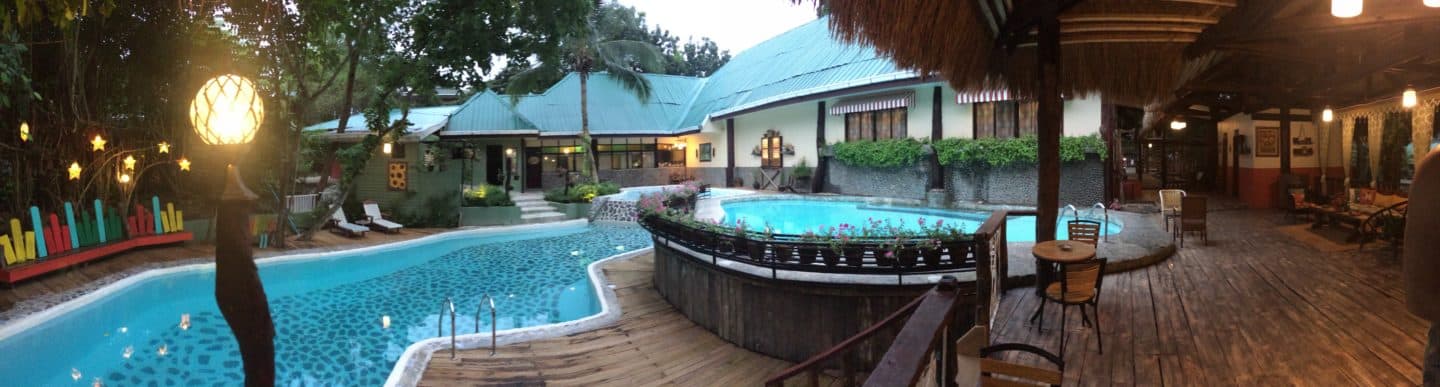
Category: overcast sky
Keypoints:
(734, 25)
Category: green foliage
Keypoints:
(998, 152)
(487, 196)
(435, 211)
(582, 193)
(879, 154)
(460, 36)
(802, 169)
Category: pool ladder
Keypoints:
(1102, 207)
(449, 305)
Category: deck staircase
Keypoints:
(534, 208)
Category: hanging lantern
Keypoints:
(164, 147)
(130, 163)
(227, 111)
(1432, 3)
(24, 132)
(184, 164)
(1327, 115)
(75, 170)
(386, 148)
(1408, 99)
(1178, 123)
(97, 144)
(1346, 8)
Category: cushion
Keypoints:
(1365, 196)
(1383, 200)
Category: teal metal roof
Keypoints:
(421, 119)
(803, 61)
(613, 110)
(806, 60)
(486, 112)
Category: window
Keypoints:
(670, 155)
(1005, 119)
(875, 125)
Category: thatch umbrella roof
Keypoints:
(1129, 50)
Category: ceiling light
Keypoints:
(1347, 8)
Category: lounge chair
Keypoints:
(341, 225)
(1170, 204)
(376, 221)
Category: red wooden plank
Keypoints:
(15, 274)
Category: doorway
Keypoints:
(494, 164)
(533, 170)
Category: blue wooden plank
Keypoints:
(159, 215)
(40, 251)
(100, 220)
(70, 221)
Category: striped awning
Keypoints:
(984, 96)
(874, 102)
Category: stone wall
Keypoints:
(1081, 183)
(613, 210)
(902, 182)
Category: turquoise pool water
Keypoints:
(795, 216)
(327, 311)
(633, 194)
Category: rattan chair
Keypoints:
(1192, 219)
(1079, 285)
(1170, 204)
(998, 373)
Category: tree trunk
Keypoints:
(345, 107)
(591, 169)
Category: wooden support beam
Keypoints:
(1285, 140)
(1050, 117)
(937, 129)
(1279, 116)
(729, 151)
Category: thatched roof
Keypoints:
(1130, 51)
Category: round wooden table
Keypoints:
(1049, 252)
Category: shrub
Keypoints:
(998, 152)
(582, 193)
(487, 196)
(879, 153)
(802, 169)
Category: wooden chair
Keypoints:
(1079, 285)
(1086, 231)
(1192, 219)
(998, 373)
(1170, 204)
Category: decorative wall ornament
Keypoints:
(398, 180)
(1267, 142)
(704, 152)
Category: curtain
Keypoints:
(1393, 139)
(1360, 153)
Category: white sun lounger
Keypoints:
(339, 222)
(378, 222)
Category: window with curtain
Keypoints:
(875, 125)
(1394, 149)
(1360, 153)
(1005, 119)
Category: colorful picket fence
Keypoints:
(83, 236)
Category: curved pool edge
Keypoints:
(411, 365)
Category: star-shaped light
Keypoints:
(184, 164)
(98, 143)
(24, 131)
(75, 170)
(164, 147)
(130, 162)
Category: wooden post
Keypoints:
(937, 130)
(238, 290)
(729, 151)
(1284, 140)
(1051, 124)
(817, 177)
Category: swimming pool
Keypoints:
(795, 216)
(328, 311)
(633, 193)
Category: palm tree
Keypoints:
(623, 60)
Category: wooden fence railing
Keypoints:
(925, 344)
(793, 253)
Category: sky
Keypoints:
(734, 25)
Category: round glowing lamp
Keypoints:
(1327, 115)
(1409, 99)
(1177, 124)
(227, 111)
(1346, 8)
(1432, 3)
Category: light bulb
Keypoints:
(1408, 99)
(1347, 8)
(1329, 115)
(1432, 3)
(386, 148)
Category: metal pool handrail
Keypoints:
(440, 326)
(494, 324)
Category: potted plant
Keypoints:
(837, 243)
(739, 237)
(809, 250)
(854, 256)
(782, 251)
(756, 246)
(755, 179)
(932, 248)
(801, 172)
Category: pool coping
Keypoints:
(713, 208)
(408, 375)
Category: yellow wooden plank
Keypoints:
(10, 257)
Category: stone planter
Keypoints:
(489, 216)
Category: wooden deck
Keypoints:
(651, 345)
(1254, 307)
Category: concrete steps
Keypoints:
(534, 208)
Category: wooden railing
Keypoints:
(925, 344)
(792, 253)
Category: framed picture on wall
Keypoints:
(704, 152)
(1267, 142)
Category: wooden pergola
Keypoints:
(1230, 56)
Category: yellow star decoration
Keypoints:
(24, 131)
(98, 143)
(164, 147)
(130, 162)
(184, 164)
(75, 170)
